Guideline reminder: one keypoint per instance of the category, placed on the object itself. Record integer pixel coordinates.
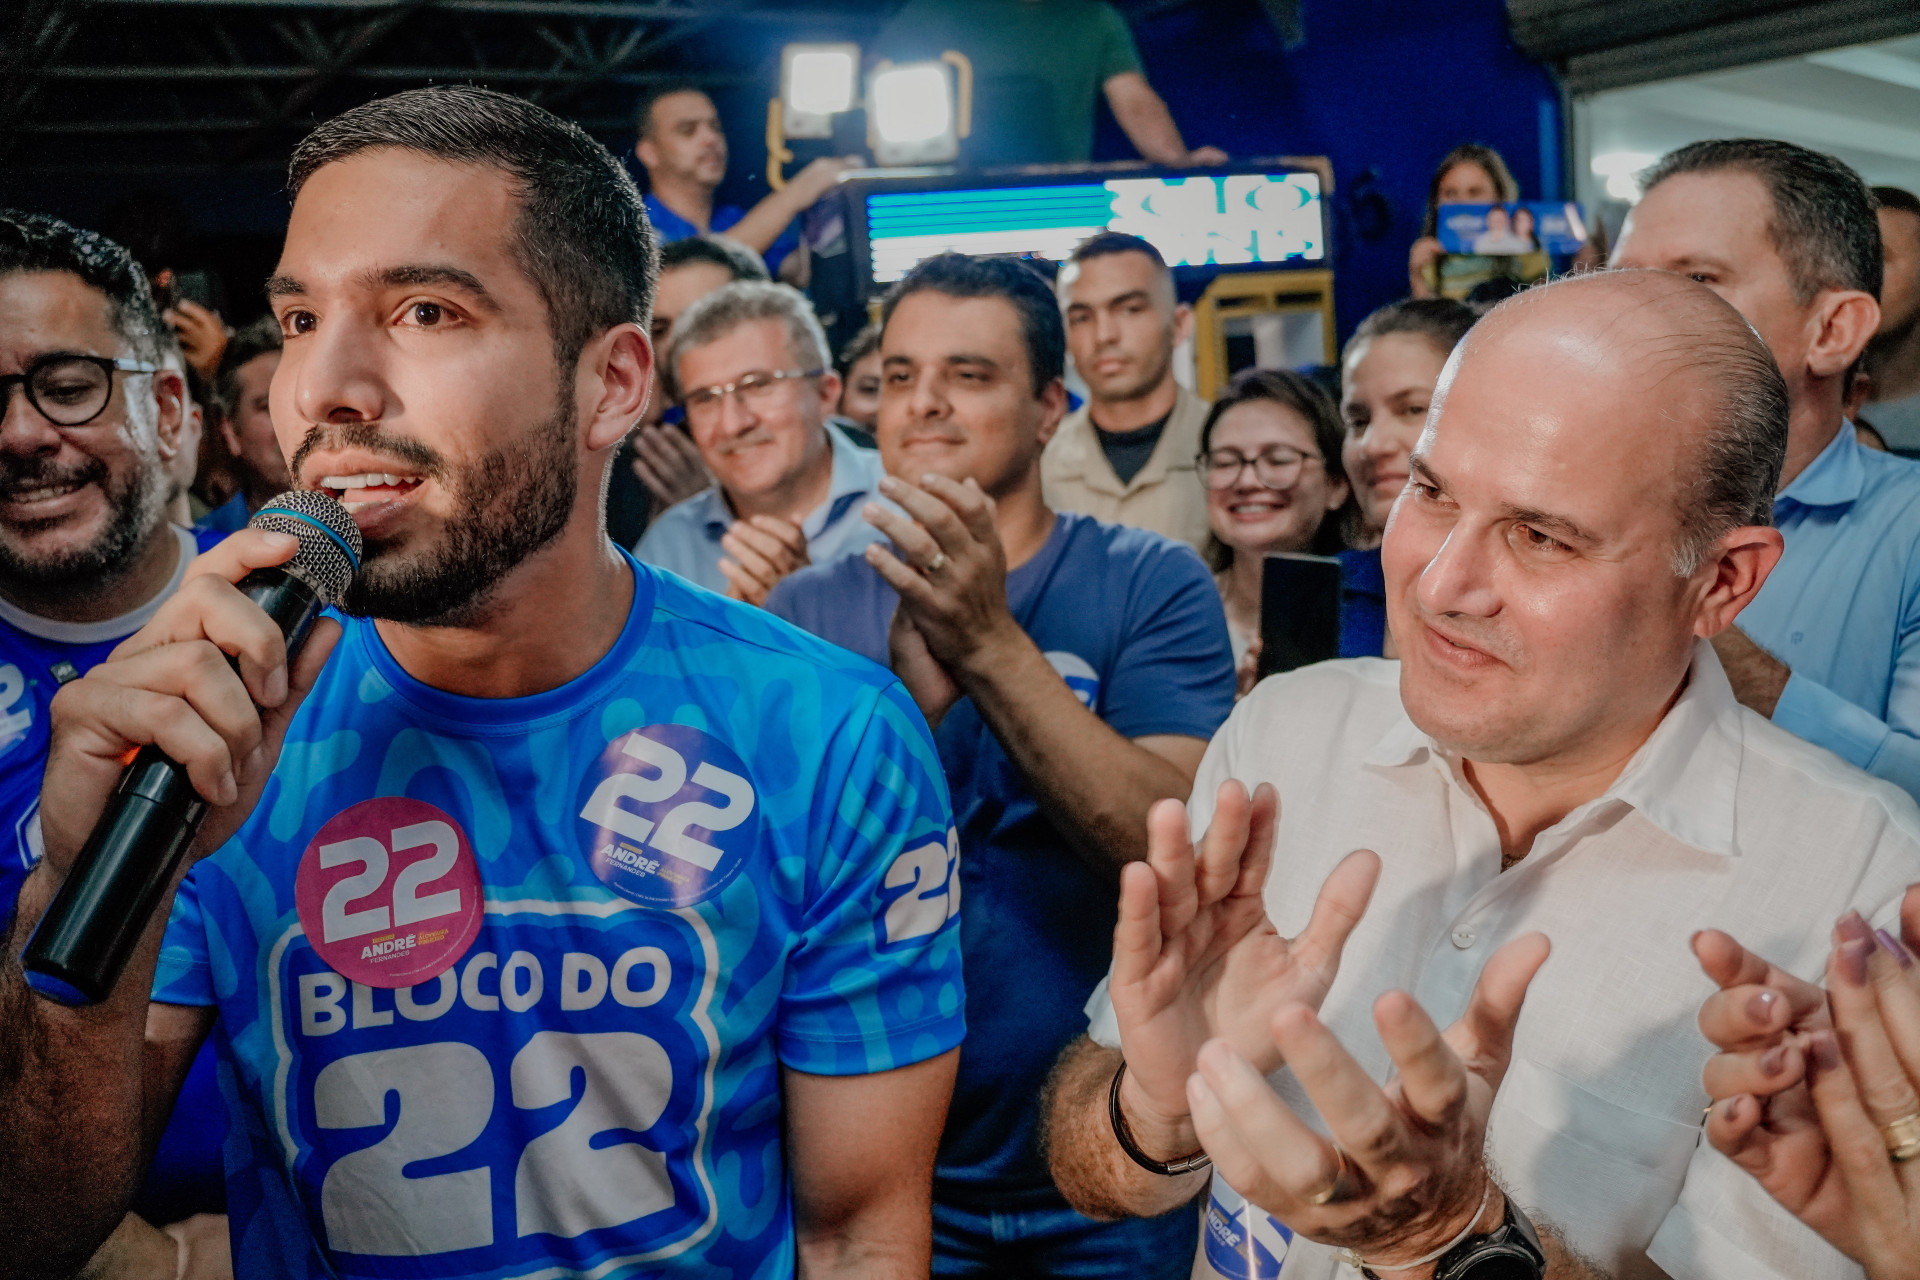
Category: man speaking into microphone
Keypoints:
(554, 916)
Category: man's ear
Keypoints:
(1845, 321)
(830, 387)
(170, 402)
(647, 154)
(615, 373)
(1182, 323)
(1053, 407)
(1739, 564)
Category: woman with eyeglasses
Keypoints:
(1270, 460)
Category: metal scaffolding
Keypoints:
(153, 85)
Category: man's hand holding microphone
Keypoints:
(159, 753)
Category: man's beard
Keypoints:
(506, 506)
(136, 502)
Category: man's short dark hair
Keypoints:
(643, 113)
(582, 235)
(1823, 224)
(736, 259)
(36, 242)
(1108, 243)
(960, 276)
(1897, 198)
(249, 343)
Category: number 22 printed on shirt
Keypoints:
(389, 893)
(670, 815)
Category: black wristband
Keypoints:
(1124, 1133)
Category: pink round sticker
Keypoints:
(389, 892)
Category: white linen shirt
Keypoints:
(1721, 820)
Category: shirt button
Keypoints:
(1463, 937)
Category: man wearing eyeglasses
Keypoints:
(90, 421)
(752, 369)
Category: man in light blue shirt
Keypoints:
(751, 366)
(1831, 648)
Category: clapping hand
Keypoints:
(668, 462)
(950, 571)
(1195, 957)
(202, 333)
(760, 552)
(1817, 1094)
(1405, 1173)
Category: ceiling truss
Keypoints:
(105, 84)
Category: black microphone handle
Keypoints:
(83, 943)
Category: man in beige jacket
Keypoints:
(1127, 455)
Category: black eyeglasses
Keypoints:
(69, 390)
(1278, 469)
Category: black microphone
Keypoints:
(83, 943)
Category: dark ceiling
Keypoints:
(131, 85)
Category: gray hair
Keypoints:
(1743, 450)
(1743, 440)
(743, 302)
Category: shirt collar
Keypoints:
(1683, 779)
(1832, 479)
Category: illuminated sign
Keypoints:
(1226, 220)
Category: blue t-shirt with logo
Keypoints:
(505, 987)
(37, 656)
(1132, 621)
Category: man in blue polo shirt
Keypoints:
(1072, 670)
(90, 421)
(1830, 650)
(750, 365)
(684, 151)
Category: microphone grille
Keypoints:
(330, 548)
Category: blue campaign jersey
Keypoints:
(608, 915)
(37, 656)
(670, 226)
(1131, 620)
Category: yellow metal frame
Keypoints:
(779, 155)
(1232, 295)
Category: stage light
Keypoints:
(917, 112)
(817, 82)
(912, 105)
(1622, 169)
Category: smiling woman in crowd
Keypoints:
(1387, 376)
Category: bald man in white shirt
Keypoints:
(1558, 753)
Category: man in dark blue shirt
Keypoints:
(684, 151)
(90, 421)
(1072, 671)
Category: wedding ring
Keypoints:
(1326, 1194)
(938, 562)
(1903, 1138)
